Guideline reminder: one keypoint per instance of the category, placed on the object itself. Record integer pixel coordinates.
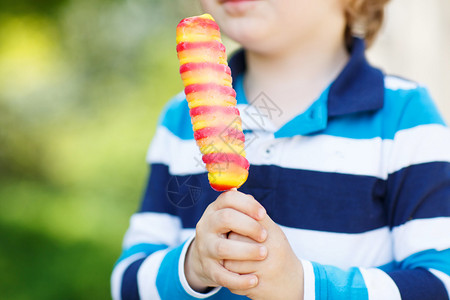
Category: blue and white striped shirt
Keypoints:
(359, 183)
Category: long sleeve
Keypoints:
(154, 247)
(417, 202)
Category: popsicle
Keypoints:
(212, 101)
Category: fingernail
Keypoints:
(261, 213)
(263, 235)
(263, 251)
(253, 282)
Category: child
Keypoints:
(348, 195)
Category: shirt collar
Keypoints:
(358, 88)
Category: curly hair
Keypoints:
(363, 19)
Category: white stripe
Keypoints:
(343, 250)
(371, 157)
(442, 277)
(182, 156)
(187, 233)
(146, 276)
(420, 235)
(182, 275)
(153, 228)
(318, 153)
(117, 274)
(397, 83)
(309, 285)
(321, 153)
(380, 285)
(420, 144)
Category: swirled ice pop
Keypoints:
(212, 101)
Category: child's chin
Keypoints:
(244, 30)
(251, 40)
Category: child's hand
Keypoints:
(232, 211)
(280, 274)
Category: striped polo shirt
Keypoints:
(359, 183)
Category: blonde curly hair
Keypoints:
(363, 19)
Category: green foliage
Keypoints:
(42, 267)
(81, 86)
(21, 6)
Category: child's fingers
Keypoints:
(227, 219)
(240, 202)
(237, 237)
(233, 281)
(223, 249)
(241, 267)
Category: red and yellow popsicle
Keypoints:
(212, 101)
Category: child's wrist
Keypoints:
(191, 277)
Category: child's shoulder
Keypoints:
(176, 119)
(409, 103)
(398, 83)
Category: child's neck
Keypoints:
(294, 78)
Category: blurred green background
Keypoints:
(82, 83)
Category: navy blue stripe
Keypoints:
(314, 200)
(318, 200)
(295, 198)
(418, 284)
(183, 196)
(156, 196)
(129, 289)
(417, 192)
